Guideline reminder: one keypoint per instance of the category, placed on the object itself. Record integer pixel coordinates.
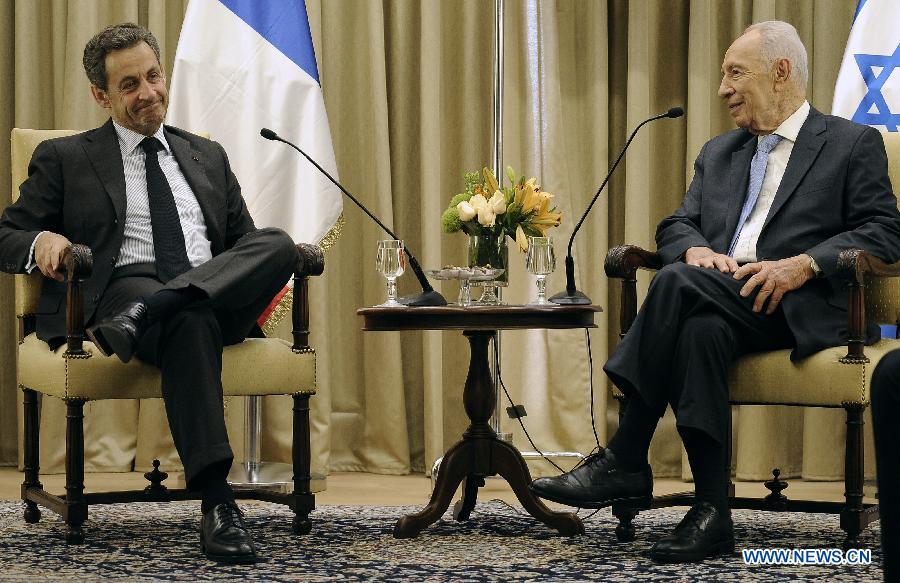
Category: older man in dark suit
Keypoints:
(179, 267)
(749, 256)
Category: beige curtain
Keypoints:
(408, 86)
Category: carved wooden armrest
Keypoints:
(79, 263)
(310, 261)
(622, 262)
(853, 265)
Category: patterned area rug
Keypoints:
(152, 542)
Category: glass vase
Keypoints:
(490, 251)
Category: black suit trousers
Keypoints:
(689, 330)
(885, 413)
(239, 283)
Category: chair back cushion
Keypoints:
(23, 143)
(883, 293)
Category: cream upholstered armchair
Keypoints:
(836, 377)
(77, 372)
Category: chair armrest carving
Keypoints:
(310, 261)
(852, 266)
(79, 264)
(623, 262)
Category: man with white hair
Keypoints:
(750, 259)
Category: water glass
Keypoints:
(540, 261)
(390, 262)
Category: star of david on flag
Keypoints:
(868, 85)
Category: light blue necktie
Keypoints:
(757, 173)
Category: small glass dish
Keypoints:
(465, 275)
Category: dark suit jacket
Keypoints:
(76, 187)
(835, 195)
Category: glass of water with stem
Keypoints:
(390, 262)
(540, 261)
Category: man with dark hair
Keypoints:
(180, 270)
(749, 263)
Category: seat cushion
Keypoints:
(770, 378)
(256, 366)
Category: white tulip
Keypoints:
(486, 216)
(478, 202)
(497, 203)
(466, 211)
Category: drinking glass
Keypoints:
(540, 262)
(390, 262)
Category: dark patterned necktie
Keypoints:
(168, 238)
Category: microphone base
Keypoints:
(431, 298)
(576, 298)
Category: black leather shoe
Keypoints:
(596, 483)
(224, 536)
(703, 532)
(121, 333)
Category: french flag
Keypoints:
(242, 65)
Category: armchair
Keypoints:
(76, 373)
(835, 377)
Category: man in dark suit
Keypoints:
(749, 262)
(885, 412)
(179, 267)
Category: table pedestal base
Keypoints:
(481, 454)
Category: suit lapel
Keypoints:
(740, 176)
(102, 149)
(192, 166)
(806, 150)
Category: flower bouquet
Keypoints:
(487, 208)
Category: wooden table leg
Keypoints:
(454, 467)
(464, 506)
(480, 454)
(509, 463)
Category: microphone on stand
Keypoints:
(571, 296)
(428, 297)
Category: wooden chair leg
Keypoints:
(304, 499)
(32, 454)
(625, 531)
(853, 518)
(76, 506)
(729, 441)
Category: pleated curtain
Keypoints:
(408, 88)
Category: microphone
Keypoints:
(428, 297)
(571, 296)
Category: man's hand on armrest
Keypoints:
(706, 257)
(48, 254)
(774, 278)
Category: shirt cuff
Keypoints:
(29, 267)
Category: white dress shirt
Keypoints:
(745, 248)
(137, 243)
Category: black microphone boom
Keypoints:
(572, 296)
(428, 297)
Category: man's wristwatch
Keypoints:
(817, 271)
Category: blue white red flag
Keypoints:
(868, 85)
(242, 65)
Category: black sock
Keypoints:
(632, 441)
(213, 486)
(167, 302)
(707, 457)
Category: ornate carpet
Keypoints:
(159, 542)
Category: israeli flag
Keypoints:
(868, 89)
(243, 65)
